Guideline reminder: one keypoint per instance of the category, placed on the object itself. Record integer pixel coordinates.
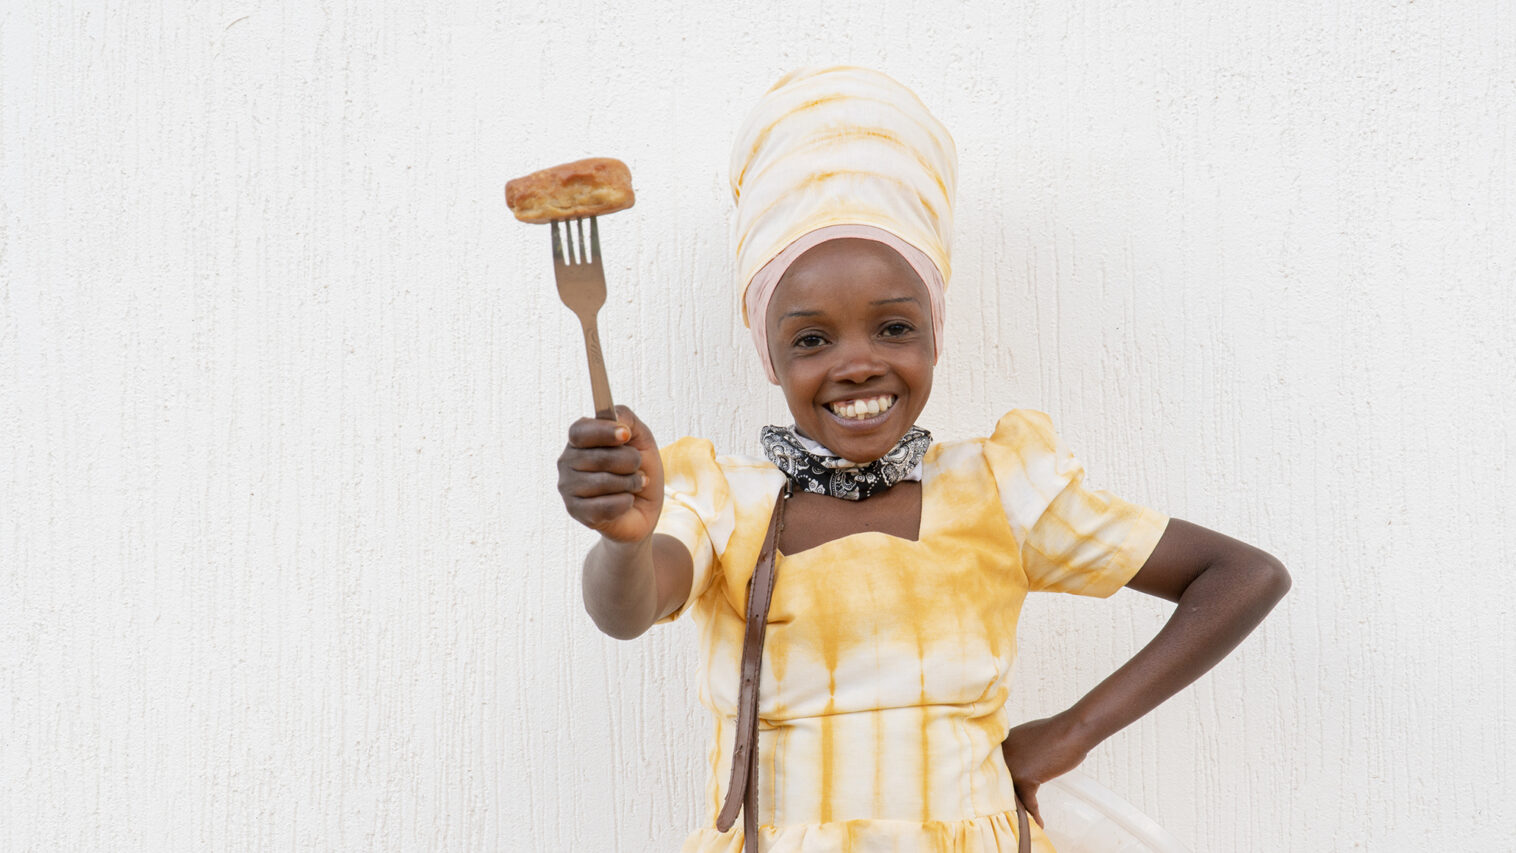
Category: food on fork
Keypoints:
(590, 187)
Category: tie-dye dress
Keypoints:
(887, 661)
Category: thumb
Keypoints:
(1030, 801)
(1028, 796)
(640, 436)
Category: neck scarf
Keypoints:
(816, 469)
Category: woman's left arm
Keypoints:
(1223, 589)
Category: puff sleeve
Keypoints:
(697, 510)
(1071, 538)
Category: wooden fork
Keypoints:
(581, 286)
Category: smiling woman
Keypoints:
(874, 682)
(850, 337)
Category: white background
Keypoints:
(282, 564)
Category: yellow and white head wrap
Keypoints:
(840, 152)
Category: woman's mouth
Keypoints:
(862, 408)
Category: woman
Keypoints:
(902, 563)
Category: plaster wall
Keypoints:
(282, 565)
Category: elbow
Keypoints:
(1271, 578)
(613, 622)
(620, 610)
(621, 632)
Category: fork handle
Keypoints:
(599, 385)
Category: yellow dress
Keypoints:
(887, 661)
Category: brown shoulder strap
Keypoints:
(1023, 829)
(742, 791)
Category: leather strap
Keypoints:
(1023, 828)
(742, 791)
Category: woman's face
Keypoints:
(850, 332)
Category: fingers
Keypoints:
(610, 476)
(598, 446)
(593, 484)
(611, 460)
(594, 432)
(597, 513)
(599, 471)
(626, 429)
(640, 436)
(1028, 795)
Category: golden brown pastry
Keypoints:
(590, 187)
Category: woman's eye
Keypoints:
(809, 340)
(895, 330)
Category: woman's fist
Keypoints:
(1038, 751)
(611, 477)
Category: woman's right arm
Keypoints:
(611, 480)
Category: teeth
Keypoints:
(860, 409)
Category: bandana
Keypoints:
(816, 469)
(839, 152)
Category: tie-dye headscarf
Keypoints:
(840, 152)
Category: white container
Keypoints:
(1084, 816)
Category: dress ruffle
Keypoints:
(993, 833)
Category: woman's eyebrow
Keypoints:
(894, 299)
(801, 314)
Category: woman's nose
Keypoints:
(857, 362)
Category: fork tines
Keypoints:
(567, 252)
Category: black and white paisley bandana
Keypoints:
(815, 469)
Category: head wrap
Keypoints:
(840, 152)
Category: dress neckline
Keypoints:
(923, 528)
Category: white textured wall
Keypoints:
(282, 566)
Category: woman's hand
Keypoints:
(611, 480)
(1038, 751)
(611, 477)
